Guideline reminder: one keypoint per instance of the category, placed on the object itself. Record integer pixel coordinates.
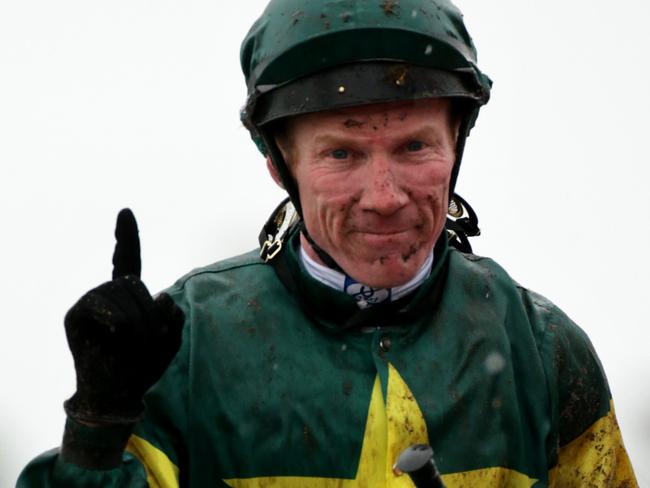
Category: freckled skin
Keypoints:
(374, 193)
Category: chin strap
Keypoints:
(326, 258)
(461, 224)
(283, 219)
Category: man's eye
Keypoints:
(414, 146)
(340, 154)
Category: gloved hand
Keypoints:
(122, 340)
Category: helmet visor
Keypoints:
(360, 84)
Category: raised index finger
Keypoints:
(126, 258)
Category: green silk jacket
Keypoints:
(300, 388)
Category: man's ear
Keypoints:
(273, 172)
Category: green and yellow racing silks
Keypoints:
(301, 389)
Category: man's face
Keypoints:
(374, 183)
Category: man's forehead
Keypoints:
(402, 106)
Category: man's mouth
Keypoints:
(384, 237)
(384, 232)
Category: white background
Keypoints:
(135, 103)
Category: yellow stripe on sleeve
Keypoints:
(596, 458)
(161, 472)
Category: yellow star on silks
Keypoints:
(391, 427)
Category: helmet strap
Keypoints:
(463, 132)
(320, 252)
(281, 166)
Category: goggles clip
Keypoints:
(270, 249)
(276, 229)
(462, 223)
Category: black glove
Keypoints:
(122, 340)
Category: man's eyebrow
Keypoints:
(328, 138)
(426, 132)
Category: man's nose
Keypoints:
(382, 192)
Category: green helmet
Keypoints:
(305, 56)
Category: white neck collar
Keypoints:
(365, 295)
